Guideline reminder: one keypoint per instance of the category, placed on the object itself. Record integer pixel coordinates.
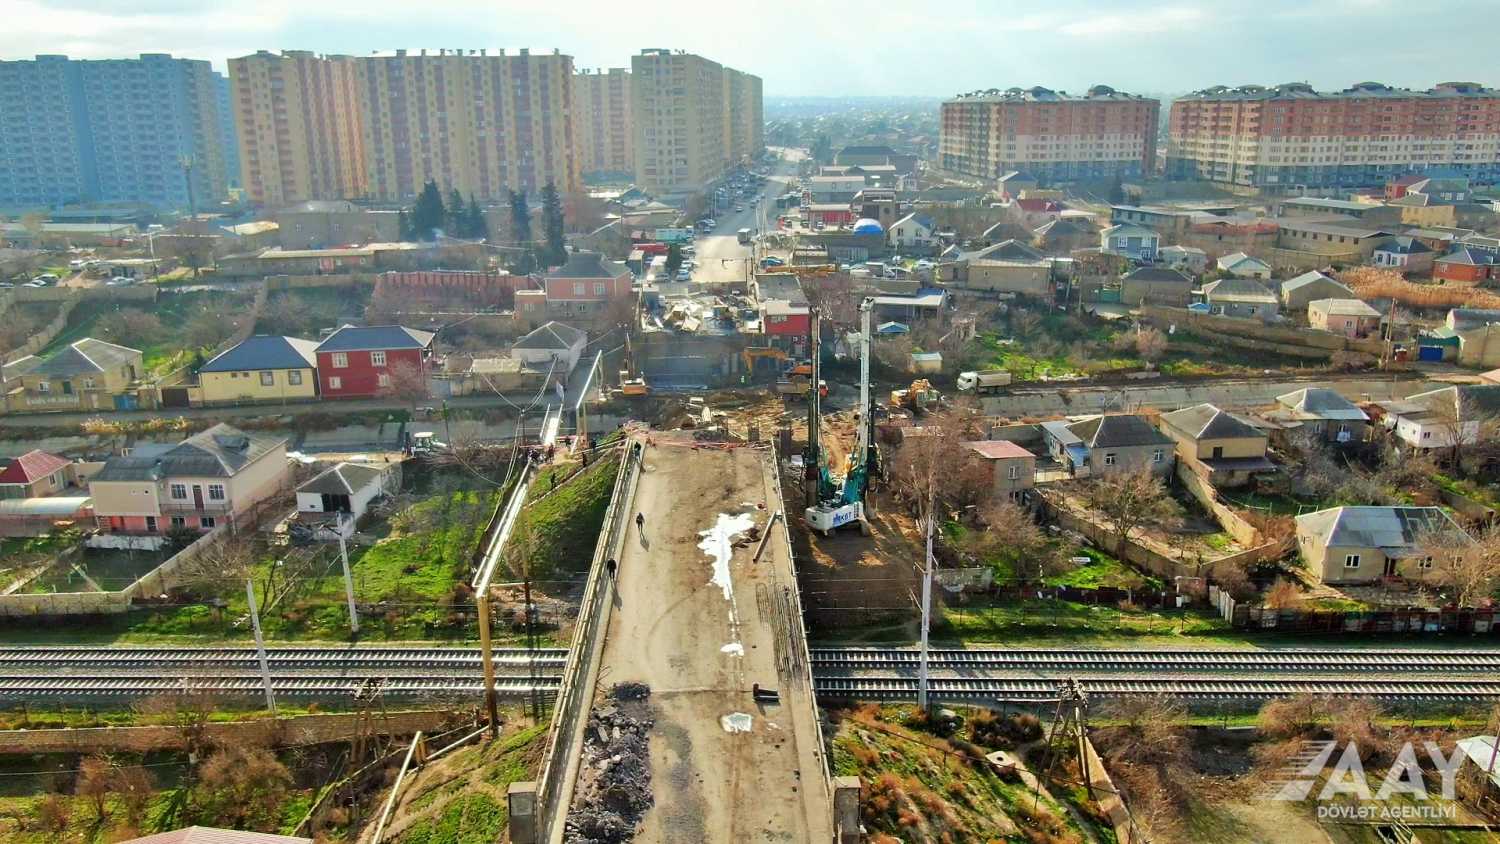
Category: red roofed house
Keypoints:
(35, 474)
(366, 361)
(1012, 468)
(585, 285)
(1035, 212)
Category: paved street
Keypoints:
(720, 256)
(699, 622)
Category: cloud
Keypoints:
(1165, 19)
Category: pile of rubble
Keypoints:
(614, 779)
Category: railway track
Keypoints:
(855, 673)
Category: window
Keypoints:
(1351, 561)
(1156, 456)
(335, 383)
(206, 522)
(88, 383)
(1109, 459)
(267, 379)
(179, 492)
(578, 288)
(294, 377)
(215, 492)
(377, 358)
(178, 521)
(598, 288)
(67, 388)
(1015, 471)
(384, 379)
(1425, 562)
(1426, 435)
(151, 524)
(43, 387)
(340, 360)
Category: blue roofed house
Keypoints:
(913, 234)
(1131, 241)
(261, 368)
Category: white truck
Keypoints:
(989, 381)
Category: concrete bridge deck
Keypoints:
(695, 618)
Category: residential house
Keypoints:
(1032, 212)
(585, 285)
(1323, 208)
(1403, 253)
(1466, 264)
(1012, 468)
(1329, 240)
(553, 347)
(1135, 242)
(1349, 317)
(1223, 448)
(1063, 235)
(252, 236)
(364, 361)
(822, 190)
(1365, 544)
(334, 501)
(1013, 183)
(86, 374)
(1419, 209)
(1297, 292)
(212, 478)
(1188, 259)
(1006, 267)
(1009, 229)
(1240, 265)
(35, 474)
(1155, 286)
(1240, 297)
(913, 234)
(1479, 346)
(262, 368)
(1448, 417)
(1323, 412)
(1107, 444)
(927, 303)
(1463, 319)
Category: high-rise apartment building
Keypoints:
(1291, 136)
(298, 122)
(1050, 134)
(478, 121)
(115, 130)
(229, 139)
(692, 119)
(605, 120)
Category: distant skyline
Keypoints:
(829, 49)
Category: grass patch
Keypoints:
(1002, 620)
(1102, 571)
(562, 526)
(170, 349)
(1485, 494)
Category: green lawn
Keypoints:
(564, 525)
(1485, 494)
(1102, 571)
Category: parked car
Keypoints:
(684, 275)
(771, 261)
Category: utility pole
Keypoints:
(487, 657)
(926, 606)
(348, 577)
(187, 175)
(810, 471)
(260, 646)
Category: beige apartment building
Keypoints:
(298, 125)
(479, 121)
(693, 119)
(605, 120)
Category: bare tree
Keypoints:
(835, 296)
(221, 567)
(1285, 595)
(407, 384)
(1150, 344)
(242, 786)
(1466, 568)
(933, 469)
(1009, 532)
(95, 781)
(1130, 500)
(893, 353)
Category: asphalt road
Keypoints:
(720, 256)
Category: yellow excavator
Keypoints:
(917, 398)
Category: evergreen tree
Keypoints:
(403, 226)
(520, 218)
(674, 260)
(428, 214)
(454, 222)
(553, 228)
(474, 225)
(1116, 191)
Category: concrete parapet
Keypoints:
(846, 826)
(520, 797)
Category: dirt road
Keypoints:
(700, 623)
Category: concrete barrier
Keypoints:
(559, 771)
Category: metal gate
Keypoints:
(174, 396)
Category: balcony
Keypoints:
(188, 505)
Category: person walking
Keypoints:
(640, 521)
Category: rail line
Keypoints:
(839, 673)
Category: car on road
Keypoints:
(120, 281)
(739, 208)
(688, 249)
(684, 275)
(771, 261)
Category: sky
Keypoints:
(815, 47)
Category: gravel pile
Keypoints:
(614, 780)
